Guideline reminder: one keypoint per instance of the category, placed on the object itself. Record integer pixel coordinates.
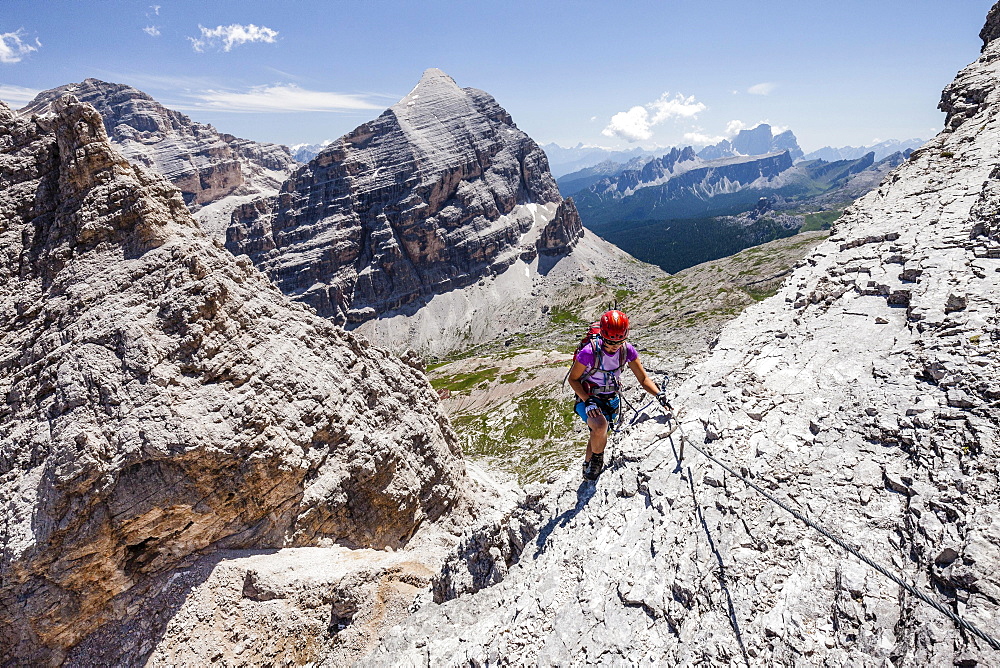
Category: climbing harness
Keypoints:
(967, 625)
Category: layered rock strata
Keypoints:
(163, 400)
(203, 163)
(863, 394)
(434, 194)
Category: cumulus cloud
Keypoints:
(765, 88)
(631, 125)
(152, 31)
(226, 37)
(700, 138)
(286, 97)
(17, 95)
(733, 127)
(13, 47)
(636, 123)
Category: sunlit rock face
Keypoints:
(863, 395)
(434, 194)
(204, 164)
(162, 400)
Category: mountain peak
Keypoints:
(433, 84)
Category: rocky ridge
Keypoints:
(864, 394)
(163, 402)
(437, 193)
(207, 166)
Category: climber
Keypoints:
(594, 376)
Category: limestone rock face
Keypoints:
(203, 163)
(432, 195)
(863, 395)
(162, 399)
(562, 233)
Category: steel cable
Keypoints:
(967, 625)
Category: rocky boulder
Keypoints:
(434, 194)
(163, 400)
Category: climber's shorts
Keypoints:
(608, 403)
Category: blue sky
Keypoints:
(617, 74)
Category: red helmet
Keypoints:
(614, 326)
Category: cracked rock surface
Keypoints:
(162, 400)
(864, 394)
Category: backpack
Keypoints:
(592, 339)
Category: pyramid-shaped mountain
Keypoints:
(439, 191)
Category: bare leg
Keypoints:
(598, 436)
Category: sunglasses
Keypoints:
(614, 342)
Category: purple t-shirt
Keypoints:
(605, 376)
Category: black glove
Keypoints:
(662, 398)
(590, 405)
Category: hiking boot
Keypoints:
(593, 469)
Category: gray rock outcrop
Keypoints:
(863, 394)
(991, 30)
(162, 400)
(561, 233)
(434, 194)
(203, 163)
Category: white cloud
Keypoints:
(152, 31)
(631, 125)
(778, 129)
(679, 107)
(156, 9)
(18, 95)
(733, 127)
(636, 123)
(229, 36)
(765, 88)
(13, 48)
(280, 98)
(699, 138)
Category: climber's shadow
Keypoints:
(583, 495)
(723, 583)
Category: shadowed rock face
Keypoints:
(427, 197)
(991, 30)
(204, 164)
(162, 399)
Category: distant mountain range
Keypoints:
(568, 160)
(306, 152)
(573, 166)
(881, 150)
(687, 207)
